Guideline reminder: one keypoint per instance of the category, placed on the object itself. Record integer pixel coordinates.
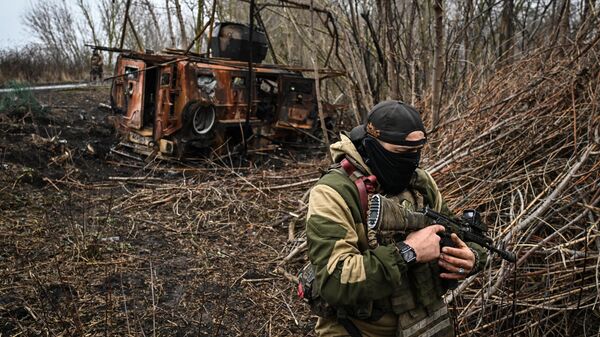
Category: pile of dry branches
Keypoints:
(524, 150)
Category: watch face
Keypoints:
(408, 254)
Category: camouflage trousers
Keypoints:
(425, 322)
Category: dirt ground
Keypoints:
(99, 244)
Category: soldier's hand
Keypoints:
(459, 260)
(426, 242)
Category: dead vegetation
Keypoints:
(136, 248)
(93, 245)
(35, 63)
(525, 150)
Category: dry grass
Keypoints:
(34, 64)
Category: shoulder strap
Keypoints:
(364, 184)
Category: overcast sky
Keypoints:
(12, 31)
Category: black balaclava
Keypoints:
(390, 122)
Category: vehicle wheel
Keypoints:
(202, 119)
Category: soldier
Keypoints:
(392, 287)
(96, 64)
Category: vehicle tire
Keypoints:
(199, 119)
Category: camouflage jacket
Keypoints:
(365, 283)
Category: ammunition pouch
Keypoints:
(427, 283)
(422, 288)
(421, 291)
(423, 321)
(308, 292)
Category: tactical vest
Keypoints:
(418, 303)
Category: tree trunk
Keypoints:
(184, 40)
(154, 18)
(389, 49)
(438, 58)
(112, 10)
(199, 24)
(506, 50)
(170, 23)
(564, 22)
(467, 40)
(379, 51)
(125, 20)
(411, 54)
(318, 80)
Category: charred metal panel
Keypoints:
(231, 95)
(131, 89)
(239, 89)
(297, 106)
(165, 106)
(230, 40)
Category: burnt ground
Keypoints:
(97, 244)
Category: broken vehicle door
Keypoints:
(131, 101)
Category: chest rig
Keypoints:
(417, 302)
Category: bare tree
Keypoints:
(157, 26)
(170, 24)
(199, 23)
(565, 22)
(54, 25)
(506, 32)
(438, 59)
(180, 19)
(85, 10)
(109, 15)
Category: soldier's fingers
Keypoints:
(453, 272)
(437, 228)
(453, 264)
(452, 276)
(459, 243)
(462, 253)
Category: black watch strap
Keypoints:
(407, 252)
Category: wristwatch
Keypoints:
(407, 252)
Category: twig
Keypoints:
(153, 301)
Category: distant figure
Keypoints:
(96, 64)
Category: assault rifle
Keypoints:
(387, 214)
(469, 228)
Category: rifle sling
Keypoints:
(364, 184)
(350, 327)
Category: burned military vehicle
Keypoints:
(176, 102)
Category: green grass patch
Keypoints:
(19, 101)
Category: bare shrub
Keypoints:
(36, 63)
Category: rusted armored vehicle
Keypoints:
(176, 102)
